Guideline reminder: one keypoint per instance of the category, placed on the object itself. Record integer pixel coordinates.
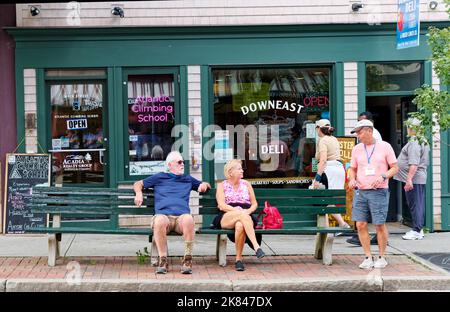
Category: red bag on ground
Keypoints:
(272, 218)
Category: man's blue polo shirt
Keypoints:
(171, 192)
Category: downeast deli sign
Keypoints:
(265, 105)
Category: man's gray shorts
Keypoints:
(368, 203)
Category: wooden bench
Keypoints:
(303, 211)
(86, 211)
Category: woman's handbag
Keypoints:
(272, 218)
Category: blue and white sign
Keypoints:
(74, 124)
(408, 24)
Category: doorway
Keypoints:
(389, 113)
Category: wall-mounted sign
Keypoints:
(408, 24)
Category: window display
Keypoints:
(77, 140)
(276, 109)
(151, 104)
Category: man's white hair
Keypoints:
(172, 156)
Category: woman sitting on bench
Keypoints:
(236, 201)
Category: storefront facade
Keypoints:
(111, 102)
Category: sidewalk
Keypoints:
(108, 263)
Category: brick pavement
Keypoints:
(206, 268)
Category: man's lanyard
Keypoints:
(367, 154)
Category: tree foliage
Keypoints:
(433, 106)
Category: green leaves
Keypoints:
(433, 106)
(142, 257)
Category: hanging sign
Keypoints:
(408, 24)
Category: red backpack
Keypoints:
(272, 218)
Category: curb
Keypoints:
(440, 283)
(312, 284)
(114, 285)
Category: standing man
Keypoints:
(373, 163)
(413, 162)
(377, 136)
(172, 212)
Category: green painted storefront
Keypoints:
(123, 50)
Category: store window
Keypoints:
(77, 132)
(392, 77)
(287, 101)
(151, 117)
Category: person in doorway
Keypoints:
(412, 162)
(236, 202)
(330, 167)
(372, 164)
(369, 116)
(172, 212)
(377, 136)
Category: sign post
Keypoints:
(23, 171)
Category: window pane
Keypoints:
(291, 99)
(77, 132)
(393, 77)
(151, 104)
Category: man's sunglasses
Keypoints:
(180, 162)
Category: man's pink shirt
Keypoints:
(380, 160)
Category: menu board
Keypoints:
(346, 145)
(23, 171)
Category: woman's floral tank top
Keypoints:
(241, 195)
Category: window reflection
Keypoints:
(151, 104)
(77, 140)
(291, 99)
(393, 77)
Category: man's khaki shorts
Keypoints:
(173, 222)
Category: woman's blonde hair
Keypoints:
(229, 166)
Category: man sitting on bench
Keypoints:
(172, 212)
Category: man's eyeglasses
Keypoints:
(180, 162)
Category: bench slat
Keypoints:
(303, 230)
(91, 230)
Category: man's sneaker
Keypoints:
(413, 235)
(239, 266)
(380, 263)
(367, 263)
(260, 253)
(345, 226)
(186, 265)
(354, 240)
(163, 266)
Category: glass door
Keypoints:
(77, 127)
(151, 112)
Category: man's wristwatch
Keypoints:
(383, 175)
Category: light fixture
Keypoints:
(117, 11)
(34, 11)
(356, 6)
(433, 5)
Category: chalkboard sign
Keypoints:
(23, 171)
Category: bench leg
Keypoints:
(324, 248)
(221, 249)
(54, 242)
(324, 242)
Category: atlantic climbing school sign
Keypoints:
(152, 108)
